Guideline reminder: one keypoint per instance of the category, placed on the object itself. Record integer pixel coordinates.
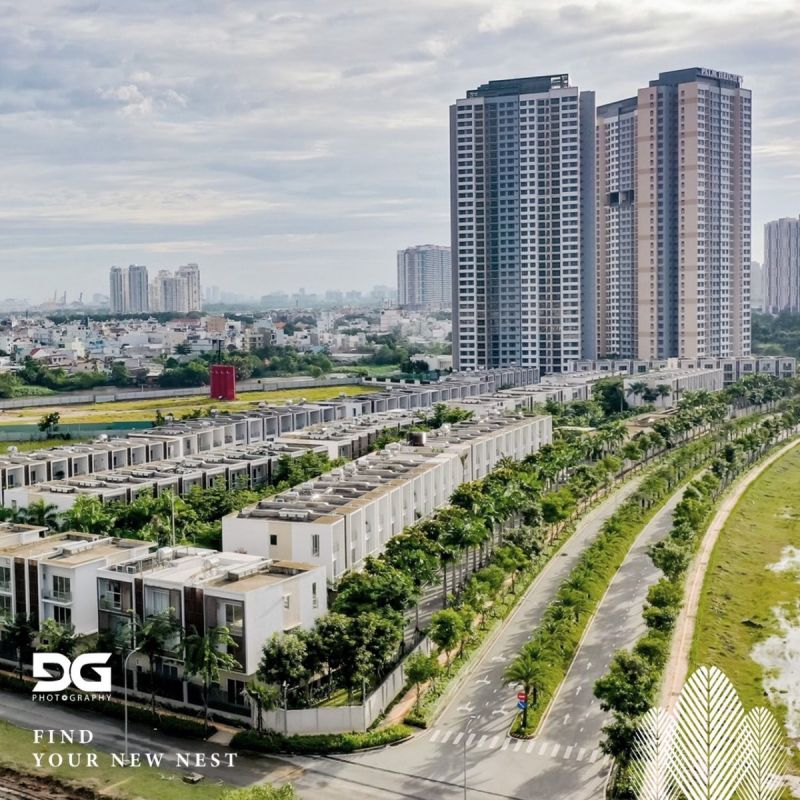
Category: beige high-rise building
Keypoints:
(191, 273)
(673, 218)
(118, 290)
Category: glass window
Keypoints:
(110, 595)
(156, 601)
(234, 615)
(5, 579)
(315, 544)
(5, 607)
(62, 615)
(61, 587)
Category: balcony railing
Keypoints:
(107, 604)
(58, 597)
(5, 586)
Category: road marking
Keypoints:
(568, 751)
(493, 743)
(589, 665)
(566, 719)
(469, 740)
(578, 690)
(468, 708)
(447, 735)
(498, 711)
(481, 741)
(543, 748)
(554, 752)
(435, 735)
(505, 743)
(518, 745)
(483, 681)
(499, 658)
(459, 737)
(529, 748)
(594, 755)
(581, 753)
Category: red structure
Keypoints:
(223, 382)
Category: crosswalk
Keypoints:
(529, 747)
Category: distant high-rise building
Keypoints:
(191, 273)
(782, 265)
(175, 294)
(522, 224)
(673, 218)
(424, 278)
(138, 297)
(118, 290)
(756, 286)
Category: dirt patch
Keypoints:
(40, 786)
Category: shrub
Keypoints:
(319, 745)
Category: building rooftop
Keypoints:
(514, 86)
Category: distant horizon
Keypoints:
(281, 148)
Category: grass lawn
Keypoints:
(739, 592)
(26, 445)
(16, 747)
(145, 409)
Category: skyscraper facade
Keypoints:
(138, 295)
(673, 218)
(424, 278)
(522, 223)
(191, 273)
(118, 290)
(781, 278)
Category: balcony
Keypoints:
(109, 604)
(5, 587)
(57, 597)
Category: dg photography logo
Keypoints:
(85, 673)
(709, 748)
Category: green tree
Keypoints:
(155, 636)
(420, 668)
(446, 630)
(41, 514)
(525, 671)
(378, 586)
(628, 685)
(48, 423)
(283, 660)
(56, 638)
(20, 634)
(89, 515)
(264, 697)
(413, 554)
(206, 656)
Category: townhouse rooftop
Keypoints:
(69, 549)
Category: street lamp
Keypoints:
(471, 719)
(125, 695)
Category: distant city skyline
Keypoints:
(126, 142)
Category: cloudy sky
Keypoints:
(296, 144)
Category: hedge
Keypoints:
(272, 742)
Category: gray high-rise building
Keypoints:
(522, 224)
(191, 273)
(424, 278)
(673, 218)
(138, 295)
(118, 290)
(782, 265)
(756, 286)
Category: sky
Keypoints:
(284, 145)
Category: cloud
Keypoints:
(288, 143)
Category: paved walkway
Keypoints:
(678, 664)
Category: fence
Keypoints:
(114, 395)
(342, 719)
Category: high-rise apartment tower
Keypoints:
(424, 278)
(522, 224)
(782, 265)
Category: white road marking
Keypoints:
(568, 751)
(543, 748)
(459, 737)
(498, 711)
(435, 735)
(499, 658)
(468, 707)
(505, 743)
(578, 690)
(447, 735)
(483, 680)
(518, 745)
(554, 751)
(481, 740)
(566, 719)
(529, 748)
(468, 743)
(493, 743)
(594, 755)
(589, 665)
(581, 753)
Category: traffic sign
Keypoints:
(522, 696)
(522, 704)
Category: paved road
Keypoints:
(563, 763)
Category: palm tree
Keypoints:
(44, 515)
(20, 634)
(664, 390)
(525, 671)
(264, 696)
(206, 656)
(637, 388)
(155, 635)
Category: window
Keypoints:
(287, 600)
(5, 579)
(273, 538)
(62, 615)
(315, 544)
(110, 595)
(6, 610)
(234, 616)
(314, 598)
(156, 601)
(236, 695)
(61, 588)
